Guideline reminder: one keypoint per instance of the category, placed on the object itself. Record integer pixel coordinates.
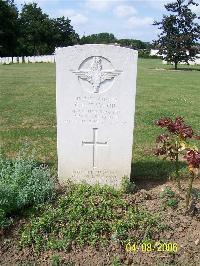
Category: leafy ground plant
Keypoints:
(128, 187)
(22, 183)
(193, 159)
(173, 144)
(89, 215)
(168, 198)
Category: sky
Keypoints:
(124, 18)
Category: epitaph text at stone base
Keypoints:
(95, 94)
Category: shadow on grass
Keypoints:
(183, 69)
(176, 70)
(149, 174)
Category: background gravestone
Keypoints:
(96, 86)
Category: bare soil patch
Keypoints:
(184, 230)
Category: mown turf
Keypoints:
(28, 111)
(161, 92)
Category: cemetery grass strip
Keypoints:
(90, 215)
(28, 113)
(161, 94)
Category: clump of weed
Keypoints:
(56, 260)
(128, 187)
(116, 261)
(168, 198)
(90, 215)
(22, 183)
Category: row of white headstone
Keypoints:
(154, 52)
(27, 59)
(196, 61)
(192, 63)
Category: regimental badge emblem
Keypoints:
(96, 74)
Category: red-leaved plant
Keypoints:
(193, 159)
(175, 143)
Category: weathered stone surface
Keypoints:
(96, 86)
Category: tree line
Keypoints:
(32, 32)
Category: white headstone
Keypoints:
(35, 59)
(26, 59)
(96, 86)
(8, 60)
(53, 59)
(153, 52)
(15, 60)
(32, 59)
(42, 58)
(39, 59)
(20, 60)
(45, 59)
(197, 59)
(3, 60)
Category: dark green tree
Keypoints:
(8, 28)
(99, 38)
(179, 32)
(63, 33)
(34, 29)
(40, 35)
(135, 44)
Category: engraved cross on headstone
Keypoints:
(94, 143)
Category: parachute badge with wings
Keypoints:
(95, 75)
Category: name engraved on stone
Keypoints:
(95, 74)
(88, 109)
(94, 144)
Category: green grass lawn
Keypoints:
(28, 111)
(62, 221)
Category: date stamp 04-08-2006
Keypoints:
(152, 247)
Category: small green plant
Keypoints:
(22, 183)
(168, 197)
(172, 203)
(128, 187)
(167, 193)
(116, 261)
(56, 260)
(89, 215)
